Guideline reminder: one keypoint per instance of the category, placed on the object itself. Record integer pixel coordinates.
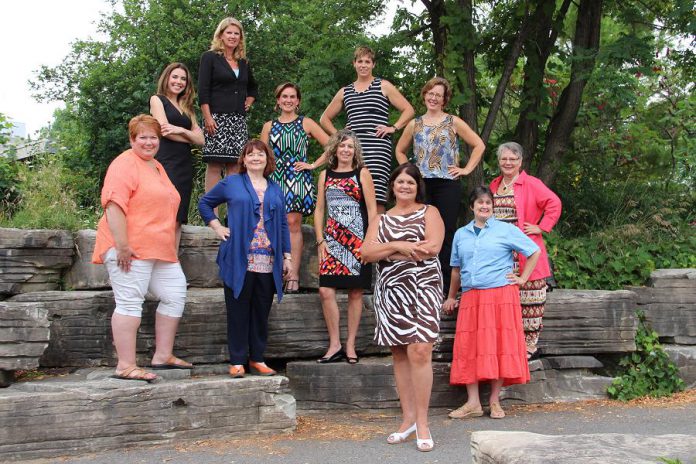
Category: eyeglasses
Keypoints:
(434, 95)
(509, 160)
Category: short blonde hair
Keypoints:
(363, 51)
(143, 122)
(217, 46)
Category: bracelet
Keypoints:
(289, 258)
(396, 129)
(319, 242)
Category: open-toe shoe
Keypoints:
(400, 437)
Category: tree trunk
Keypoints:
(537, 50)
(585, 48)
(508, 68)
(436, 10)
(469, 110)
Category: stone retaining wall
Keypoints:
(82, 414)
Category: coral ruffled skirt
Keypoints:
(489, 342)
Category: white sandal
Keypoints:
(400, 437)
(424, 444)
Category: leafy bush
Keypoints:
(10, 193)
(48, 199)
(648, 371)
(628, 246)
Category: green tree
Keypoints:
(105, 83)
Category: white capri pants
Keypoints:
(165, 280)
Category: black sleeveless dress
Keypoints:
(176, 159)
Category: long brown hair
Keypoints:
(186, 98)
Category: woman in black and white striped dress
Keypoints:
(408, 295)
(367, 102)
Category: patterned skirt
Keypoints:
(226, 144)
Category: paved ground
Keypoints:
(358, 437)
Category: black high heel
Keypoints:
(338, 356)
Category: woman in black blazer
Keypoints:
(226, 90)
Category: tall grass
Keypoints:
(47, 198)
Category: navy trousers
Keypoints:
(247, 317)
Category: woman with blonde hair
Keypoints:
(172, 106)
(227, 90)
(347, 196)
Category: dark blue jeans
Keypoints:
(446, 196)
(247, 317)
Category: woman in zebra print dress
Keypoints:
(367, 102)
(288, 136)
(408, 295)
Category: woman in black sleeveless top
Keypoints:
(172, 106)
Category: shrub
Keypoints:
(647, 371)
(47, 200)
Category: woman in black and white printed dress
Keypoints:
(408, 295)
(226, 89)
(367, 102)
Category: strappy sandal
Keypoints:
(497, 411)
(135, 373)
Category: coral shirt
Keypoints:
(537, 204)
(150, 202)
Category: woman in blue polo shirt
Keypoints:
(489, 342)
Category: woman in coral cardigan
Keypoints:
(525, 201)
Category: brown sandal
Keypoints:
(135, 373)
(173, 363)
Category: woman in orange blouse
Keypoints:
(136, 240)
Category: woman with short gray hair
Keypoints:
(525, 201)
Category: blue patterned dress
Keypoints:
(289, 143)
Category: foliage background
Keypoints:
(623, 164)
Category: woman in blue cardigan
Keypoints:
(254, 253)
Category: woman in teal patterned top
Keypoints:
(288, 136)
(435, 137)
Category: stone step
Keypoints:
(81, 330)
(576, 323)
(497, 447)
(370, 384)
(88, 411)
(24, 336)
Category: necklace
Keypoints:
(506, 186)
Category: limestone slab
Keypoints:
(673, 278)
(24, 335)
(197, 253)
(53, 418)
(370, 384)
(496, 447)
(32, 260)
(684, 357)
(576, 322)
(589, 322)
(83, 274)
(670, 311)
(81, 330)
